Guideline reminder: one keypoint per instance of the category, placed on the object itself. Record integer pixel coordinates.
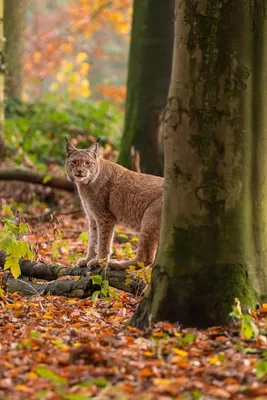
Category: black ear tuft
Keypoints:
(94, 147)
(70, 146)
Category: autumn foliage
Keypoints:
(66, 47)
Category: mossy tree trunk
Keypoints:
(213, 245)
(14, 27)
(2, 79)
(148, 81)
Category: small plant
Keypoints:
(105, 290)
(140, 272)
(83, 237)
(249, 329)
(104, 287)
(261, 368)
(12, 243)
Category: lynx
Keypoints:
(113, 195)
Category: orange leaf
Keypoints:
(148, 354)
(48, 315)
(145, 372)
(179, 352)
(23, 388)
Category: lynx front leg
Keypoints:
(92, 243)
(149, 237)
(105, 237)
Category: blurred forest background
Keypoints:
(66, 69)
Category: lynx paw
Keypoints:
(114, 264)
(82, 262)
(93, 264)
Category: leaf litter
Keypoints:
(75, 349)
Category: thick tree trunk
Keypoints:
(2, 78)
(82, 288)
(14, 26)
(214, 228)
(148, 81)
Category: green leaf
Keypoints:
(12, 263)
(248, 327)
(221, 357)
(41, 394)
(104, 291)
(123, 236)
(128, 281)
(23, 228)
(76, 396)
(14, 249)
(45, 372)
(196, 395)
(7, 211)
(113, 294)
(46, 179)
(55, 254)
(5, 243)
(34, 334)
(15, 270)
(105, 284)
(25, 249)
(246, 330)
(261, 368)
(95, 296)
(97, 382)
(96, 279)
(83, 237)
(236, 313)
(189, 338)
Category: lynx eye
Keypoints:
(74, 162)
(87, 163)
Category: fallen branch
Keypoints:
(27, 175)
(70, 288)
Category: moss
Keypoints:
(204, 298)
(200, 299)
(208, 34)
(223, 239)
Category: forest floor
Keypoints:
(57, 348)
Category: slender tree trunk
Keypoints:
(213, 245)
(14, 21)
(2, 78)
(148, 81)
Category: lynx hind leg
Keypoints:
(92, 244)
(148, 242)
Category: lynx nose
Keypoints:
(79, 172)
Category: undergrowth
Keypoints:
(37, 130)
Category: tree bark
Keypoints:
(214, 230)
(2, 79)
(27, 175)
(69, 288)
(148, 80)
(14, 27)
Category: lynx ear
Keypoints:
(94, 147)
(70, 147)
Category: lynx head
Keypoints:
(82, 166)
